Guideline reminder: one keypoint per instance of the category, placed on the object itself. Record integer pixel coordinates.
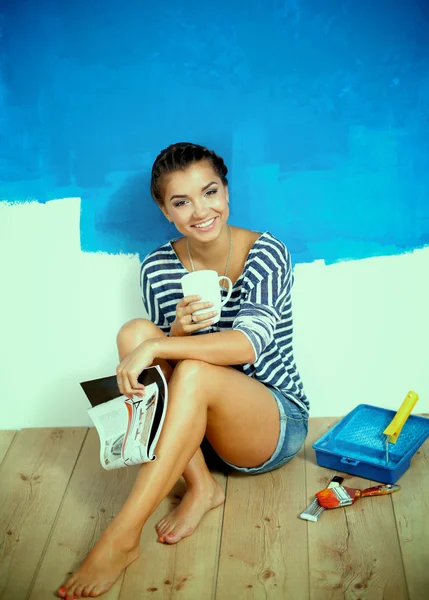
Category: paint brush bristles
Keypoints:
(344, 496)
(314, 511)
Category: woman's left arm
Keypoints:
(221, 348)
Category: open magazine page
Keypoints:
(128, 429)
(110, 420)
(141, 413)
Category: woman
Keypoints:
(235, 384)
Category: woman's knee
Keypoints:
(136, 331)
(192, 372)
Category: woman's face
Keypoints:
(193, 197)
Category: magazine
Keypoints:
(128, 429)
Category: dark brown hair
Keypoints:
(179, 157)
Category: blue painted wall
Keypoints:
(321, 111)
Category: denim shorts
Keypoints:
(293, 431)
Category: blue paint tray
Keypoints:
(357, 445)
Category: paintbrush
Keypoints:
(344, 496)
(314, 511)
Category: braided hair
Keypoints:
(179, 157)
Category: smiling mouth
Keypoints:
(205, 224)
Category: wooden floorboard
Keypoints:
(353, 551)
(264, 544)
(91, 501)
(411, 512)
(186, 570)
(6, 439)
(33, 478)
(55, 501)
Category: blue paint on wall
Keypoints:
(321, 111)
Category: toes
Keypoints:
(70, 594)
(160, 524)
(66, 594)
(86, 592)
(78, 590)
(177, 534)
(69, 585)
(162, 532)
(162, 537)
(173, 537)
(97, 591)
(168, 528)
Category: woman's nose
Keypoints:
(201, 211)
(201, 215)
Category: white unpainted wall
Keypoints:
(361, 327)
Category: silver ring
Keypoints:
(119, 382)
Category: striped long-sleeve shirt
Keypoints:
(260, 306)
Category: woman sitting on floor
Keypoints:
(234, 384)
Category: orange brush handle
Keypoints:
(378, 490)
(344, 496)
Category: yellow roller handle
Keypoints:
(395, 426)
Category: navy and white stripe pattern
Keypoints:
(260, 306)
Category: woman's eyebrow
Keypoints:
(203, 189)
(207, 186)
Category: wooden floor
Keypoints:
(55, 500)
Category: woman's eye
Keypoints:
(208, 193)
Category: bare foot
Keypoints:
(196, 502)
(100, 569)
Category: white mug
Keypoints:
(205, 283)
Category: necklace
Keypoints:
(223, 286)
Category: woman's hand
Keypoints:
(130, 368)
(182, 324)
